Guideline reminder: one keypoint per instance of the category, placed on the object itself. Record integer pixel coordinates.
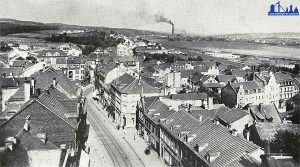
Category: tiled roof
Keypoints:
(251, 86)
(130, 85)
(14, 70)
(196, 77)
(105, 68)
(213, 85)
(79, 60)
(152, 82)
(45, 78)
(158, 110)
(211, 114)
(19, 63)
(189, 96)
(219, 139)
(225, 78)
(43, 120)
(57, 107)
(266, 112)
(44, 52)
(201, 69)
(180, 121)
(233, 115)
(186, 73)
(267, 131)
(239, 73)
(281, 77)
(148, 101)
(61, 60)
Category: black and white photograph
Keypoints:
(160, 83)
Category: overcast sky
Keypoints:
(191, 16)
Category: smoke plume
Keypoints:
(161, 18)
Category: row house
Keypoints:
(110, 69)
(190, 138)
(50, 128)
(126, 91)
(288, 87)
(76, 68)
(150, 114)
(70, 49)
(49, 57)
(270, 87)
(260, 90)
(206, 67)
(187, 141)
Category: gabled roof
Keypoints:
(250, 86)
(225, 78)
(45, 78)
(186, 73)
(189, 96)
(47, 115)
(281, 77)
(239, 73)
(219, 139)
(130, 85)
(11, 82)
(43, 53)
(58, 108)
(197, 77)
(211, 114)
(233, 115)
(14, 70)
(157, 111)
(178, 122)
(267, 131)
(265, 112)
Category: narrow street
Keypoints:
(120, 153)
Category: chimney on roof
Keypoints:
(27, 124)
(170, 107)
(43, 137)
(216, 121)
(33, 81)
(211, 156)
(234, 132)
(200, 118)
(210, 102)
(259, 106)
(200, 147)
(10, 142)
(54, 83)
(248, 135)
(27, 90)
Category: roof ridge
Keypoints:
(54, 113)
(130, 83)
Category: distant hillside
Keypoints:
(11, 26)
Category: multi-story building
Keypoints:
(262, 89)
(49, 57)
(110, 69)
(126, 91)
(187, 141)
(288, 87)
(77, 68)
(49, 130)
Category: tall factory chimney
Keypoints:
(161, 18)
